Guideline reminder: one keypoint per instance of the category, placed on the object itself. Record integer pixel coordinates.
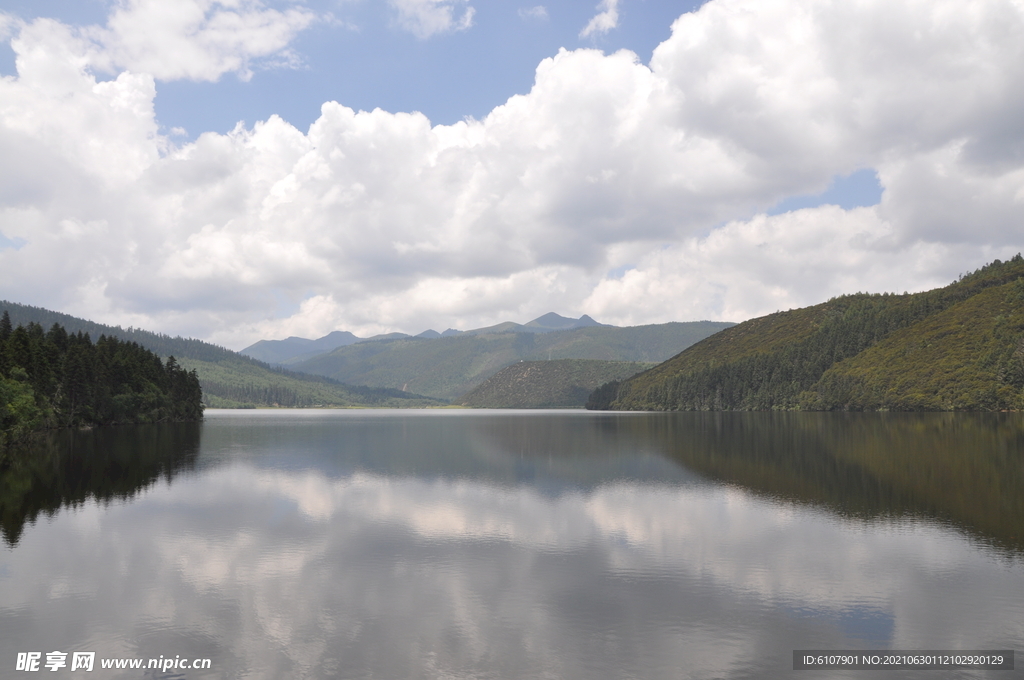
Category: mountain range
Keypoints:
(386, 370)
(449, 367)
(295, 350)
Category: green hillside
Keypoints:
(228, 379)
(55, 379)
(952, 348)
(447, 368)
(561, 383)
(240, 382)
(968, 357)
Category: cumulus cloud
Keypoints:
(424, 18)
(603, 21)
(769, 263)
(633, 192)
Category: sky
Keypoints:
(234, 170)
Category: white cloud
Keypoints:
(425, 18)
(192, 39)
(752, 267)
(104, 130)
(603, 21)
(375, 221)
(9, 26)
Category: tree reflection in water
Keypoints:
(106, 464)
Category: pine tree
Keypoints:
(61, 379)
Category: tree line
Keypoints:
(55, 379)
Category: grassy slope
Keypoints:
(449, 367)
(228, 379)
(777, 361)
(237, 382)
(561, 383)
(442, 367)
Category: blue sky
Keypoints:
(245, 169)
(856, 190)
(375, 64)
(360, 56)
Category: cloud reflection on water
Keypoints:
(281, 570)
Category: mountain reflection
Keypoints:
(958, 468)
(105, 464)
(962, 468)
(965, 469)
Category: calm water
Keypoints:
(471, 544)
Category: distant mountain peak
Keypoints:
(279, 351)
(553, 321)
(339, 335)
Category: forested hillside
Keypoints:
(449, 367)
(560, 383)
(164, 345)
(57, 379)
(228, 379)
(953, 348)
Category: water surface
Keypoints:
(474, 544)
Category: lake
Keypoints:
(490, 544)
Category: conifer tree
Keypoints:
(57, 379)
